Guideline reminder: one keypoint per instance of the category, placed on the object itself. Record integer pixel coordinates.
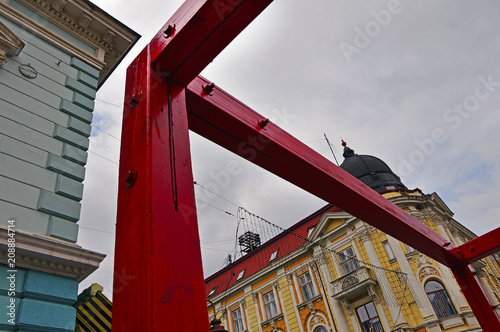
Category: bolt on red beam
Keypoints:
(480, 247)
(231, 124)
(234, 126)
(198, 32)
(158, 282)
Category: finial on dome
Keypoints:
(348, 152)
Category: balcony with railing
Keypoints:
(353, 284)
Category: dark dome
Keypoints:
(370, 170)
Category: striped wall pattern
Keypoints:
(94, 314)
(44, 137)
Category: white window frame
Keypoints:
(237, 320)
(388, 250)
(410, 249)
(241, 274)
(306, 284)
(270, 304)
(350, 260)
(274, 255)
(213, 291)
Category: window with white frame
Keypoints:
(320, 329)
(439, 298)
(347, 260)
(273, 256)
(306, 284)
(241, 274)
(270, 305)
(237, 320)
(410, 249)
(368, 318)
(212, 291)
(388, 250)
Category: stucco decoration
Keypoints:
(10, 44)
(428, 271)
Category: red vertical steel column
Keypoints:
(477, 298)
(158, 282)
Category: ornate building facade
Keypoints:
(334, 272)
(54, 56)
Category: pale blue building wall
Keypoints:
(43, 302)
(44, 137)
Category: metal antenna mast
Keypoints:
(330, 146)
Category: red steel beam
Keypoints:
(479, 247)
(203, 28)
(477, 298)
(226, 121)
(158, 282)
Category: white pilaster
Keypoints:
(387, 292)
(289, 279)
(418, 289)
(336, 306)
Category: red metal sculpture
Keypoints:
(158, 271)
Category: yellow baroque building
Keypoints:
(334, 272)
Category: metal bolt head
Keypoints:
(134, 101)
(131, 177)
(263, 123)
(209, 88)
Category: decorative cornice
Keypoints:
(49, 255)
(364, 235)
(110, 38)
(10, 44)
(3, 60)
(85, 20)
(58, 5)
(49, 36)
(80, 27)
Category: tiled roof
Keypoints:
(285, 243)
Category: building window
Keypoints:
(320, 329)
(306, 284)
(240, 275)
(410, 249)
(212, 291)
(439, 299)
(237, 321)
(273, 256)
(348, 260)
(388, 250)
(270, 305)
(368, 318)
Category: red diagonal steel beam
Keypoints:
(157, 263)
(202, 30)
(479, 247)
(226, 121)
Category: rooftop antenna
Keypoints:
(330, 146)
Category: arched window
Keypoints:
(439, 299)
(320, 329)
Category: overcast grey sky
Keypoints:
(415, 83)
